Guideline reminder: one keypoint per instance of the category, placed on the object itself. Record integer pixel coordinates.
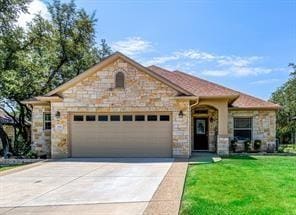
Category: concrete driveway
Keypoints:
(83, 186)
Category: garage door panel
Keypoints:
(121, 138)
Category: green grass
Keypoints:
(242, 185)
(3, 168)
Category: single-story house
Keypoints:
(119, 108)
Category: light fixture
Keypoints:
(181, 114)
(58, 114)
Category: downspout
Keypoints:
(190, 122)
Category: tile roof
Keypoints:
(203, 88)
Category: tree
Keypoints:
(286, 97)
(46, 55)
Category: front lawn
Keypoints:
(3, 168)
(242, 185)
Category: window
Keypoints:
(152, 117)
(115, 118)
(242, 128)
(78, 118)
(46, 121)
(127, 118)
(90, 118)
(119, 80)
(164, 118)
(103, 118)
(140, 118)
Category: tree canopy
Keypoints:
(49, 52)
(286, 97)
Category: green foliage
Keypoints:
(233, 145)
(10, 11)
(31, 154)
(241, 185)
(46, 54)
(286, 97)
(287, 148)
(257, 144)
(21, 148)
(247, 145)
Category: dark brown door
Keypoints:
(201, 134)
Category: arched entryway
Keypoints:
(204, 128)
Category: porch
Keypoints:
(209, 126)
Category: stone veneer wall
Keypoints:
(264, 126)
(141, 93)
(40, 137)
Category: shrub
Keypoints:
(247, 144)
(31, 154)
(257, 144)
(21, 147)
(233, 145)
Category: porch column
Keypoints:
(223, 138)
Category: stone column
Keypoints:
(223, 138)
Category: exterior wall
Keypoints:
(263, 128)
(40, 137)
(141, 93)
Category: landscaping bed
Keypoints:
(242, 185)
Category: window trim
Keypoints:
(164, 120)
(46, 121)
(243, 129)
(127, 115)
(123, 77)
(87, 117)
(115, 115)
(83, 118)
(103, 115)
(152, 115)
(140, 115)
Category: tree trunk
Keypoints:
(4, 140)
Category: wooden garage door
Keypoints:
(121, 135)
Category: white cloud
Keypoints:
(237, 71)
(203, 63)
(216, 73)
(35, 7)
(190, 54)
(132, 46)
(265, 81)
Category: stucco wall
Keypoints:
(141, 93)
(40, 137)
(263, 126)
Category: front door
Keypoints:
(201, 134)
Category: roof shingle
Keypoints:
(203, 88)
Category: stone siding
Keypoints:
(142, 93)
(263, 126)
(40, 137)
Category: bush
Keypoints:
(32, 155)
(233, 145)
(247, 144)
(21, 147)
(257, 144)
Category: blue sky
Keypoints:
(244, 45)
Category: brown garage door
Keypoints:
(121, 135)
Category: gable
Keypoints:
(110, 60)
(98, 90)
